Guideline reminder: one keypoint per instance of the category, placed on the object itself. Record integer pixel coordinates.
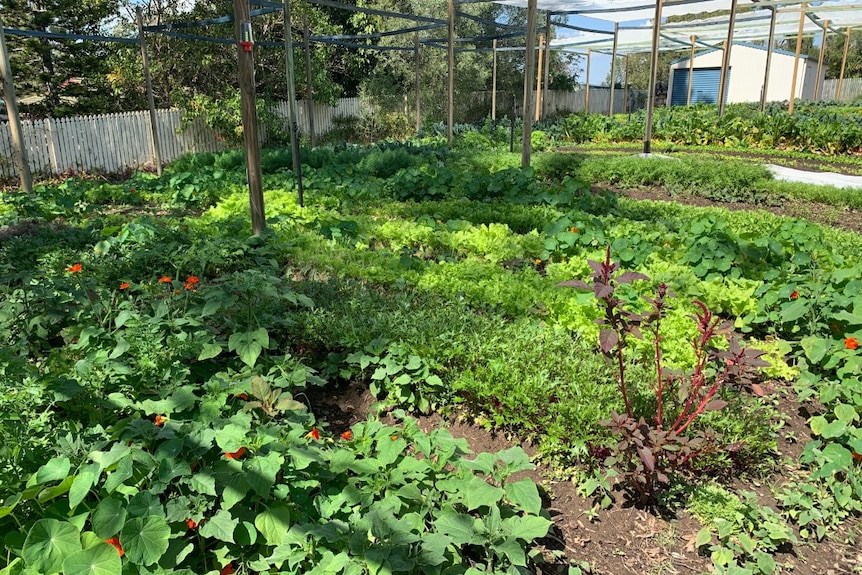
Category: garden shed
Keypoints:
(745, 76)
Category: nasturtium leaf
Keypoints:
(818, 423)
(273, 523)
(834, 429)
(524, 494)
(460, 527)
(220, 526)
(84, 481)
(90, 539)
(145, 539)
(144, 504)
(178, 549)
(101, 559)
(49, 543)
(56, 469)
(108, 518)
(481, 494)
(839, 455)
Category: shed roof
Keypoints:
(745, 44)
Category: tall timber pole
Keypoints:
(18, 145)
(529, 70)
(653, 74)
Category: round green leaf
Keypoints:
(108, 518)
(145, 539)
(273, 523)
(49, 543)
(101, 559)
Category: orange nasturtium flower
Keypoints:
(160, 420)
(191, 523)
(227, 570)
(165, 280)
(192, 283)
(347, 435)
(74, 269)
(314, 433)
(115, 541)
(794, 295)
(125, 285)
(851, 343)
(235, 454)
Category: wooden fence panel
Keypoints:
(851, 89)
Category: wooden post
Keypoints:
(245, 59)
(494, 84)
(539, 79)
(725, 60)
(614, 67)
(625, 83)
(802, 10)
(547, 73)
(148, 81)
(587, 84)
(769, 45)
(818, 83)
(309, 98)
(690, 71)
(450, 103)
(14, 118)
(418, 82)
(529, 69)
(292, 112)
(653, 74)
(843, 64)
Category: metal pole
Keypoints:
(614, 67)
(309, 100)
(18, 145)
(450, 112)
(653, 73)
(148, 81)
(494, 84)
(802, 10)
(725, 59)
(587, 84)
(690, 71)
(292, 112)
(818, 83)
(539, 79)
(843, 64)
(547, 71)
(769, 46)
(529, 69)
(418, 82)
(625, 83)
(245, 58)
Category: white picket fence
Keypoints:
(117, 142)
(851, 89)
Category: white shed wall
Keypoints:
(748, 66)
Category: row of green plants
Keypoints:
(436, 281)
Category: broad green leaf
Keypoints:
(49, 543)
(765, 563)
(261, 472)
(202, 483)
(56, 469)
(245, 534)
(273, 523)
(845, 413)
(16, 567)
(50, 493)
(815, 348)
(101, 559)
(178, 550)
(145, 539)
(84, 481)
(9, 505)
(119, 349)
(459, 526)
(834, 429)
(144, 504)
(108, 518)
(703, 537)
(209, 351)
(231, 437)
(220, 526)
(838, 454)
(525, 494)
(512, 550)
(90, 539)
(433, 548)
(794, 310)
(818, 423)
(481, 494)
(388, 449)
(119, 475)
(528, 527)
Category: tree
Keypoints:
(65, 75)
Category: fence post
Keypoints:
(154, 134)
(14, 119)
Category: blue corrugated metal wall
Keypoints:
(704, 86)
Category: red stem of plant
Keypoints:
(622, 368)
(659, 377)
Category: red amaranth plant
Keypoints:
(649, 449)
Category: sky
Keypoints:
(600, 64)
